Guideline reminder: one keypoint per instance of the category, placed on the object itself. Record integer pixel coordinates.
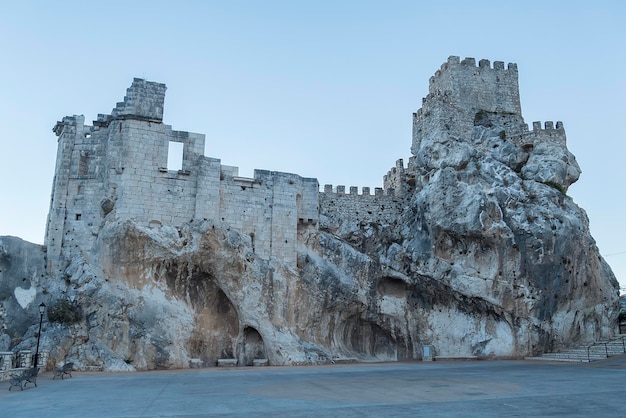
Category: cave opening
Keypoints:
(253, 346)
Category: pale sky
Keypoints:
(322, 89)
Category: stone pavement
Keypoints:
(437, 389)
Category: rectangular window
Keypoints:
(175, 156)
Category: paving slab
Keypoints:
(434, 389)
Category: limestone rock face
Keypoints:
(473, 248)
(22, 279)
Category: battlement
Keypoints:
(550, 132)
(454, 63)
(354, 191)
(118, 167)
(548, 125)
(488, 87)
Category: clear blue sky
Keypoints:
(323, 89)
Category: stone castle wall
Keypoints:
(118, 167)
(379, 209)
(472, 248)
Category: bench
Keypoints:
(23, 377)
(62, 371)
(227, 362)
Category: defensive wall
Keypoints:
(118, 168)
(462, 95)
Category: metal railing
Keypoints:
(606, 346)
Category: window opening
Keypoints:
(175, 156)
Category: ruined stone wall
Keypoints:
(473, 247)
(118, 168)
(146, 190)
(268, 208)
(74, 215)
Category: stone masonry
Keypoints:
(472, 248)
(119, 166)
(120, 162)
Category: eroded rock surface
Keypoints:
(474, 247)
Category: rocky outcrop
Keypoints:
(474, 248)
(23, 280)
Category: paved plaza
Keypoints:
(433, 389)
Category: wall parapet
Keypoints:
(549, 132)
(354, 191)
(455, 62)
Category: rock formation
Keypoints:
(473, 248)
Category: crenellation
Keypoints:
(469, 62)
(353, 191)
(547, 125)
(452, 60)
(122, 158)
(550, 132)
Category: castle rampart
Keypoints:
(378, 210)
(549, 132)
(354, 191)
(117, 169)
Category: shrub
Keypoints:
(65, 312)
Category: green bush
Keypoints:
(65, 312)
(622, 316)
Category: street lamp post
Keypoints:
(42, 309)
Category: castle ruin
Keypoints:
(472, 247)
(120, 162)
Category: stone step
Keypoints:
(455, 358)
(344, 360)
(547, 358)
(598, 351)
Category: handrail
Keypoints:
(606, 347)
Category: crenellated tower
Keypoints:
(462, 94)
